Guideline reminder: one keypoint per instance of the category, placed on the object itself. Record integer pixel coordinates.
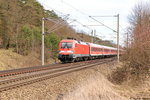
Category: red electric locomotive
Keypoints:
(70, 50)
(73, 50)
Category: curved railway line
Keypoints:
(19, 77)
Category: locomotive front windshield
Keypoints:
(66, 45)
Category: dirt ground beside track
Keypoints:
(11, 60)
(88, 84)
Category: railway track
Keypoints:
(18, 77)
(18, 71)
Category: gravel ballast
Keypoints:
(57, 87)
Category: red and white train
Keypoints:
(73, 50)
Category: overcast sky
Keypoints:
(82, 9)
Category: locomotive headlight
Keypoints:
(61, 51)
(70, 51)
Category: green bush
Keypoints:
(28, 39)
(51, 42)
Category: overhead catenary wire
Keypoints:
(92, 16)
(68, 14)
(103, 24)
(81, 12)
(58, 23)
(88, 16)
(61, 13)
(105, 16)
(83, 25)
(84, 14)
(75, 8)
(61, 26)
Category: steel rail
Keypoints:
(9, 84)
(57, 69)
(18, 71)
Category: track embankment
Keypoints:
(30, 75)
(88, 84)
(63, 86)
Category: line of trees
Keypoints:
(20, 27)
(137, 56)
(138, 51)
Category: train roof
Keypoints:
(87, 43)
(69, 40)
(102, 46)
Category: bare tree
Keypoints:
(139, 52)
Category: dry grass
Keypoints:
(97, 87)
(11, 60)
(128, 84)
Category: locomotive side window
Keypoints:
(76, 45)
(66, 45)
